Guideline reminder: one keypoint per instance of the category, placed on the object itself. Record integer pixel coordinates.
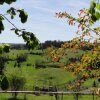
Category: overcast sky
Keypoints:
(42, 21)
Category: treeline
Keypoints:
(49, 43)
(57, 44)
(44, 45)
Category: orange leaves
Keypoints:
(84, 23)
(85, 75)
(56, 59)
(55, 54)
(82, 11)
(63, 14)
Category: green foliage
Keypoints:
(6, 48)
(29, 37)
(1, 24)
(4, 83)
(10, 1)
(21, 58)
(92, 7)
(98, 6)
(7, 1)
(1, 49)
(12, 12)
(23, 15)
(17, 82)
(95, 15)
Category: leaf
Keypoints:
(10, 1)
(24, 36)
(97, 15)
(2, 1)
(92, 7)
(16, 31)
(98, 6)
(1, 18)
(23, 15)
(6, 48)
(1, 49)
(12, 12)
(30, 39)
(1, 26)
(4, 83)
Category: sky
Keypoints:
(42, 20)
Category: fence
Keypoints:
(54, 93)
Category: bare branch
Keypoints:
(8, 20)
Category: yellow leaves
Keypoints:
(56, 59)
(85, 75)
(76, 46)
(55, 54)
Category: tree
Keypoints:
(86, 20)
(89, 64)
(29, 37)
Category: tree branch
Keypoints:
(8, 21)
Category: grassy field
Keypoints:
(42, 76)
(47, 97)
(35, 76)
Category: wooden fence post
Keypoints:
(93, 95)
(76, 96)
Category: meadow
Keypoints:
(41, 77)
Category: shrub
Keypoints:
(4, 83)
(16, 80)
(21, 58)
(16, 84)
(28, 64)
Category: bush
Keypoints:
(21, 58)
(2, 65)
(16, 80)
(28, 64)
(16, 84)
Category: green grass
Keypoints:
(13, 53)
(71, 53)
(34, 76)
(41, 77)
(89, 82)
(59, 77)
(47, 97)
